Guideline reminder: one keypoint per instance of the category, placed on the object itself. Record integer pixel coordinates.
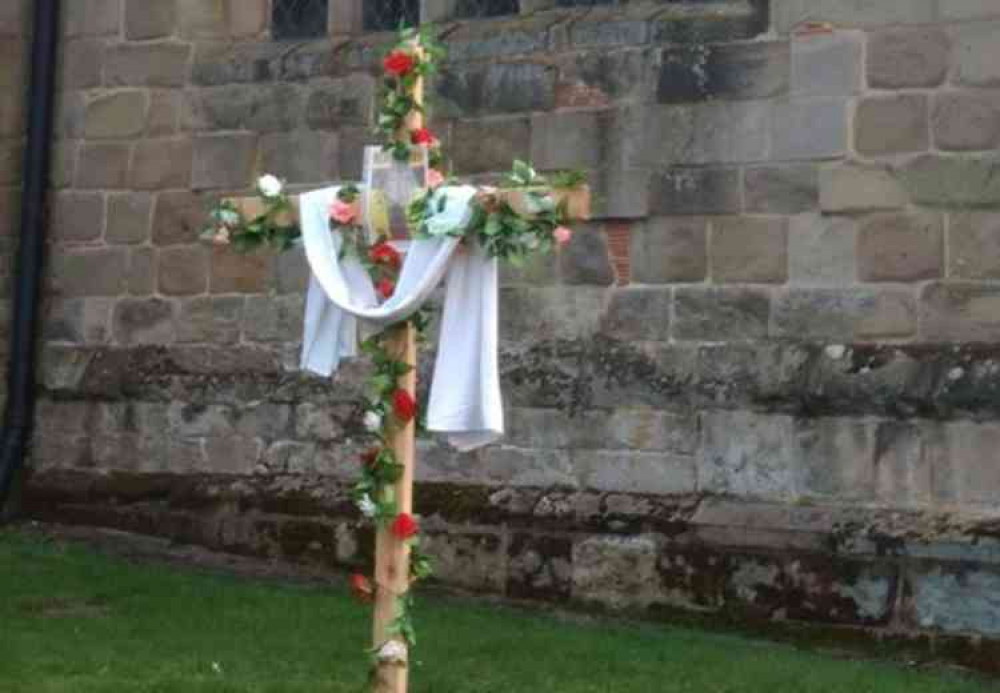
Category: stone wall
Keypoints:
(761, 385)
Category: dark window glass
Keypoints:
(486, 8)
(387, 15)
(298, 19)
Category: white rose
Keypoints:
(269, 186)
(393, 652)
(367, 507)
(373, 421)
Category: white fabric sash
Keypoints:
(465, 401)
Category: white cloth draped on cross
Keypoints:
(465, 400)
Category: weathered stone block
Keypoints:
(213, 320)
(967, 121)
(781, 189)
(164, 113)
(149, 20)
(71, 114)
(78, 216)
(977, 53)
(223, 161)
(141, 278)
(969, 9)
(179, 218)
(116, 115)
(844, 314)
(92, 18)
(144, 321)
(695, 191)
(901, 247)
(102, 165)
(635, 472)
(275, 108)
(241, 272)
(98, 272)
(720, 314)
(301, 157)
(735, 71)
(182, 270)
(955, 599)
(490, 146)
(498, 88)
(586, 260)
(550, 312)
(856, 187)
(809, 129)
(904, 58)
(617, 572)
(568, 140)
(716, 132)
(963, 455)
(670, 250)
(747, 249)
(892, 125)
(291, 272)
(222, 18)
(234, 455)
(347, 101)
(639, 314)
(974, 246)
(940, 181)
(129, 217)
(539, 567)
(787, 14)
(903, 470)
(147, 64)
(821, 250)
(826, 64)
(960, 312)
(81, 63)
(79, 320)
(473, 561)
(274, 319)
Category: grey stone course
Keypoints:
(974, 246)
(788, 189)
(901, 58)
(666, 250)
(809, 129)
(749, 250)
(892, 125)
(826, 64)
(967, 121)
(720, 314)
(901, 247)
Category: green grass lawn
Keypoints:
(72, 621)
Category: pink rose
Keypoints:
(562, 235)
(343, 213)
(434, 178)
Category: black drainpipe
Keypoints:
(19, 416)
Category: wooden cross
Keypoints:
(392, 555)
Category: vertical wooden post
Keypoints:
(392, 556)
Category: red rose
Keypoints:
(362, 588)
(405, 527)
(370, 457)
(384, 254)
(399, 63)
(386, 287)
(404, 406)
(422, 136)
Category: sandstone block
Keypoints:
(892, 125)
(233, 455)
(844, 314)
(940, 181)
(908, 58)
(300, 157)
(586, 260)
(92, 18)
(81, 63)
(969, 9)
(98, 272)
(781, 189)
(116, 115)
(129, 217)
(162, 164)
(734, 71)
(212, 320)
(539, 567)
(720, 314)
(668, 250)
(704, 133)
(960, 312)
(346, 101)
(974, 246)
(291, 272)
(639, 314)
(822, 250)
(618, 572)
(901, 247)
(490, 146)
(242, 273)
(182, 270)
(222, 18)
(955, 599)
(962, 454)
(147, 64)
(749, 250)
(178, 218)
(223, 161)
(977, 53)
(274, 319)
(809, 129)
(141, 279)
(102, 165)
(274, 108)
(149, 20)
(855, 187)
(143, 321)
(543, 313)
(567, 140)
(164, 113)
(787, 14)
(695, 191)
(904, 473)
(967, 121)
(826, 64)
(79, 320)
(498, 88)
(78, 216)
(635, 472)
